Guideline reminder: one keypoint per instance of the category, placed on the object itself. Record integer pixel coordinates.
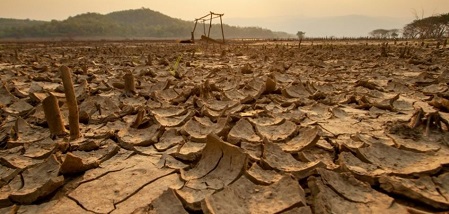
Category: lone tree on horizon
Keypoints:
(300, 35)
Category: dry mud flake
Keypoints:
(106, 150)
(169, 111)
(220, 164)
(338, 126)
(40, 149)
(169, 161)
(199, 128)
(6, 98)
(116, 163)
(26, 133)
(149, 193)
(306, 139)
(297, 90)
(401, 162)
(243, 131)
(5, 191)
(254, 150)
(99, 109)
(297, 210)
(130, 137)
(102, 194)
(171, 95)
(341, 193)
(18, 108)
(421, 145)
(169, 139)
(423, 189)
(134, 102)
(262, 176)
(166, 203)
(176, 120)
(39, 181)
(240, 96)
(363, 171)
(189, 151)
(275, 158)
(266, 121)
(7, 174)
(277, 132)
(73, 164)
(103, 131)
(216, 108)
(243, 196)
(63, 205)
(319, 154)
(13, 158)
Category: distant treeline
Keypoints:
(126, 24)
(433, 27)
(430, 27)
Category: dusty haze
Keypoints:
(282, 15)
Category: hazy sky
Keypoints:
(190, 9)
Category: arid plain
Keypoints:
(247, 127)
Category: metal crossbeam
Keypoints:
(209, 17)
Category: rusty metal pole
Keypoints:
(222, 33)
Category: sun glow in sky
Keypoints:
(190, 9)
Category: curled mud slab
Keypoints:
(264, 128)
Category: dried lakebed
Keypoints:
(243, 128)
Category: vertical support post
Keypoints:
(193, 32)
(210, 25)
(204, 26)
(222, 33)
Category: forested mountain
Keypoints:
(139, 23)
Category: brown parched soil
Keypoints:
(266, 127)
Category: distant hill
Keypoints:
(139, 23)
(8, 25)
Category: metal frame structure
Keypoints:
(209, 17)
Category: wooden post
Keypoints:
(53, 116)
(222, 32)
(210, 25)
(71, 102)
(204, 27)
(193, 32)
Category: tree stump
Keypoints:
(130, 87)
(53, 116)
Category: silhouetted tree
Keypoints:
(431, 27)
(300, 35)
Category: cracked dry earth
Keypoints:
(243, 128)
